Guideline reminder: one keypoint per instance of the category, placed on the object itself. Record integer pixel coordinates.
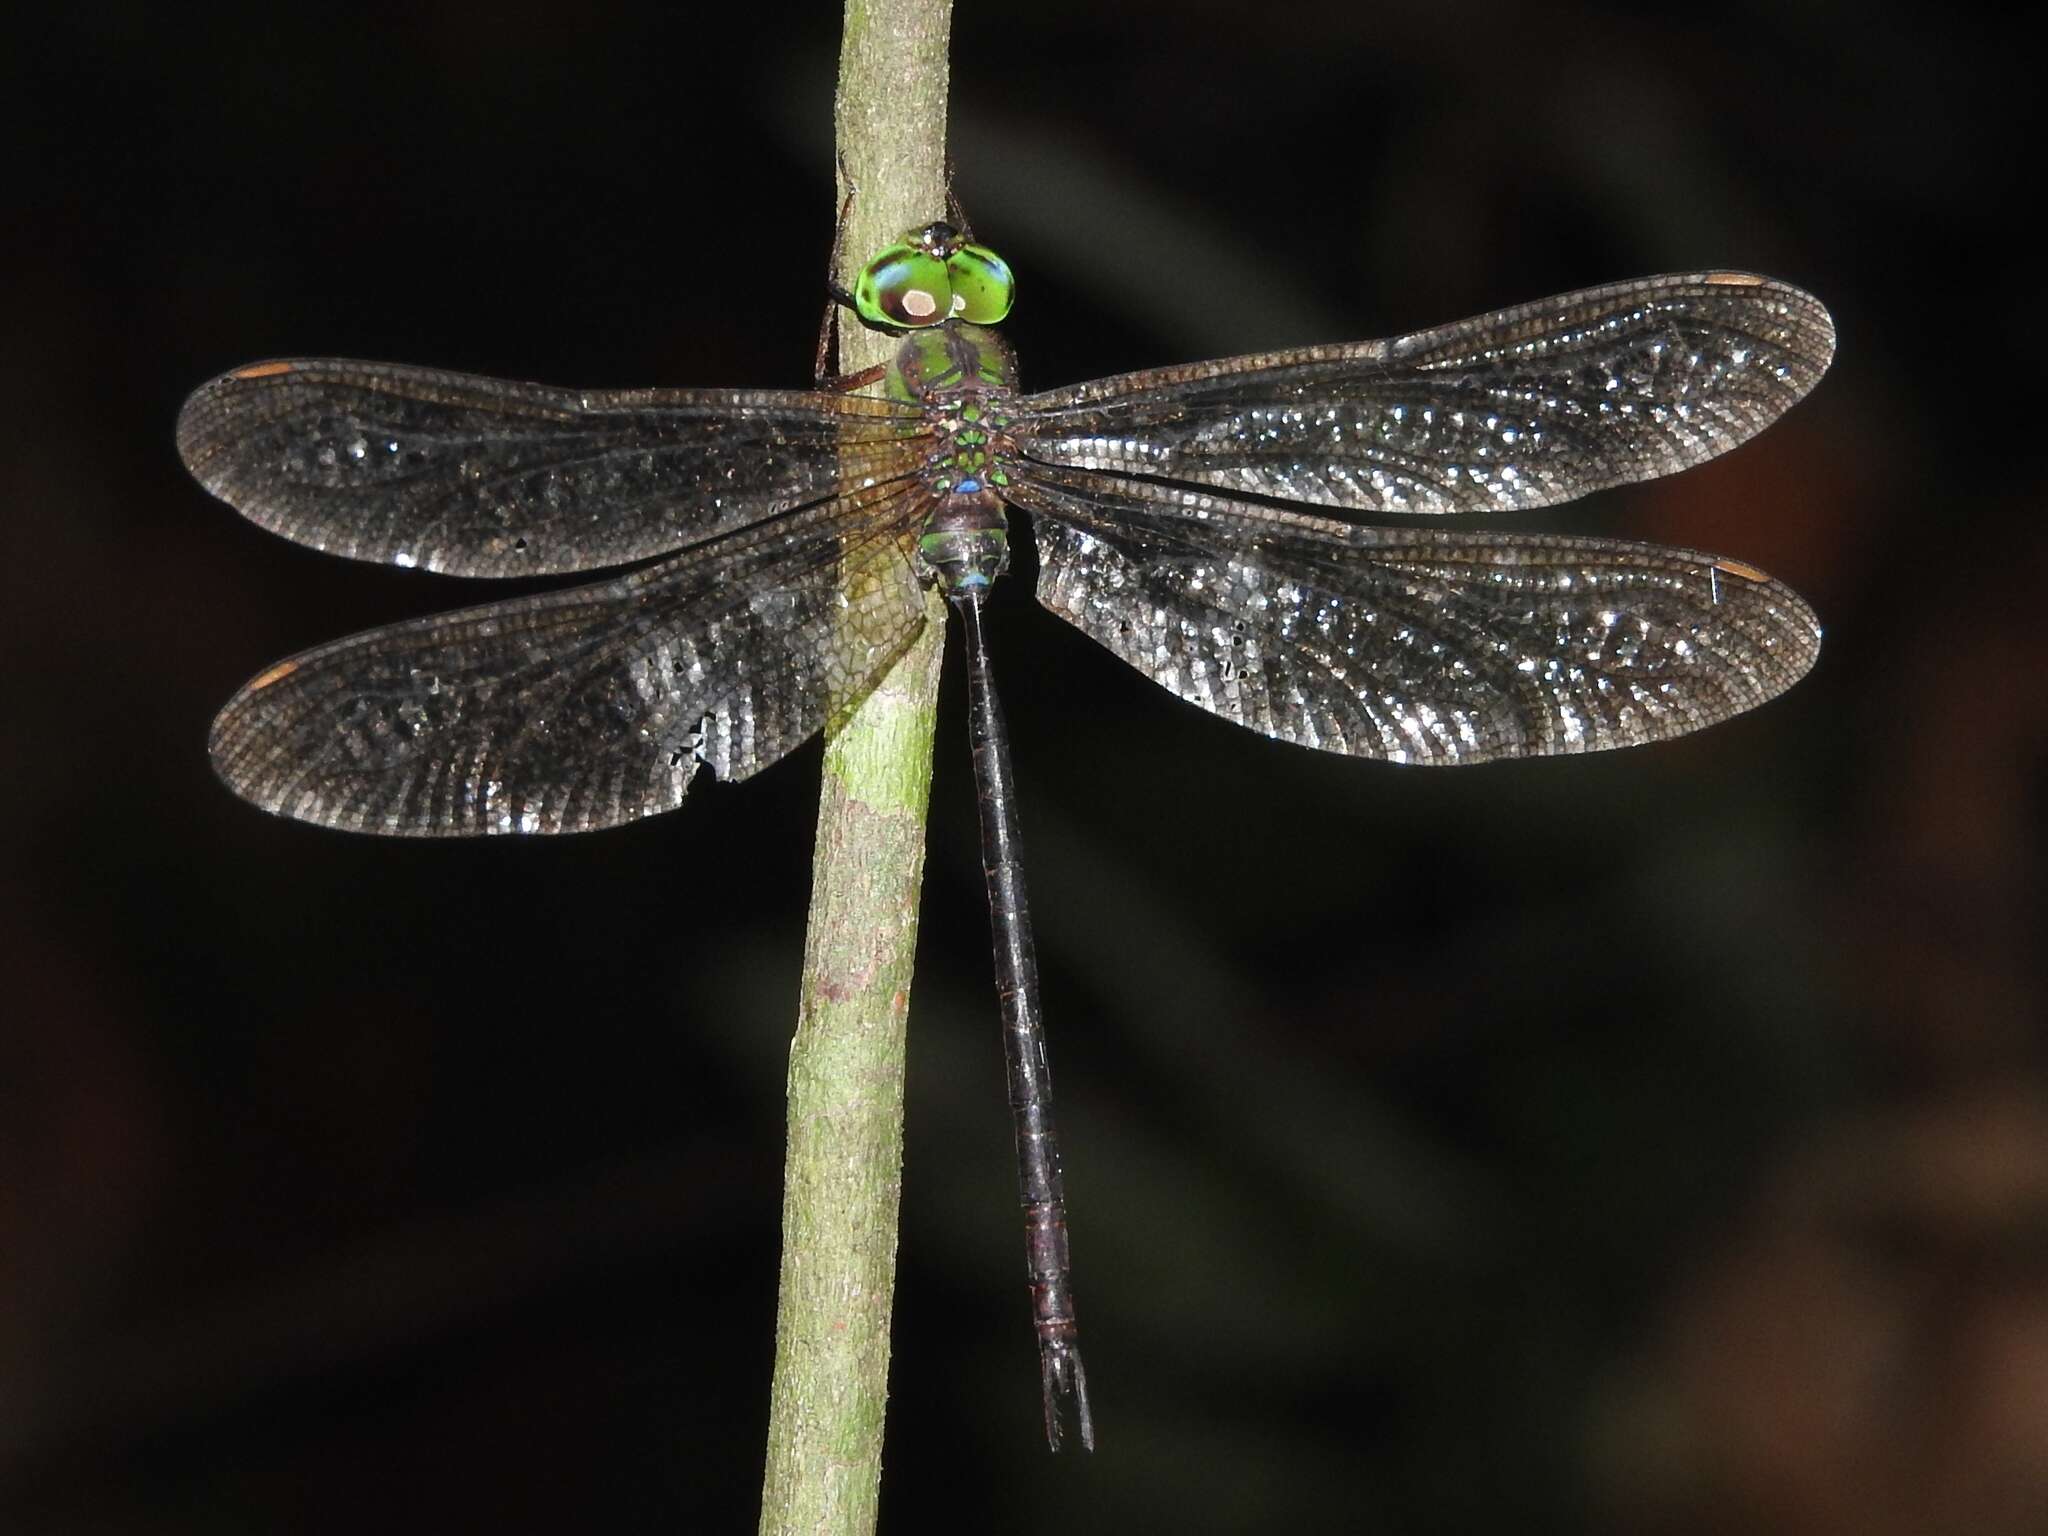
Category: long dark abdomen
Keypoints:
(1063, 1381)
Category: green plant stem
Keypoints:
(843, 1175)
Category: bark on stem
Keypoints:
(843, 1176)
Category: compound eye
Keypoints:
(905, 288)
(982, 284)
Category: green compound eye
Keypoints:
(929, 277)
(983, 287)
(905, 287)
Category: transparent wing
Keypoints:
(1523, 408)
(485, 477)
(573, 710)
(1416, 645)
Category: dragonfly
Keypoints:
(1273, 538)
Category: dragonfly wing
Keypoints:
(573, 710)
(485, 477)
(1523, 408)
(1415, 645)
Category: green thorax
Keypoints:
(963, 377)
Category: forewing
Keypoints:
(580, 709)
(1523, 408)
(1416, 645)
(486, 477)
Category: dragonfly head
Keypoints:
(929, 276)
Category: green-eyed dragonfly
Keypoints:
(1211, 524)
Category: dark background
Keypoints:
(1652, 1142)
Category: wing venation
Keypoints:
(1415, 645)
(584, 708)
(1522, 408)
(474, 476)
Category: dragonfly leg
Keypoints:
(955, 214)
(839, 229)
(839, 296)
(847, 383)
(824, 371)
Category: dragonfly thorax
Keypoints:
(962, 377)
